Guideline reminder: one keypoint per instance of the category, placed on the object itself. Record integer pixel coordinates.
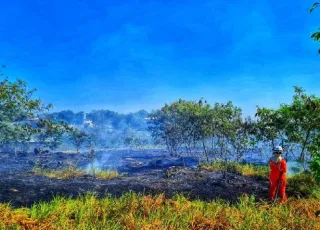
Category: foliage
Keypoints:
(50, 133)
(315, 166)
(228, 131)
(104, 118)
(135, 211)
(303, 185)
(315, 35)
(164, 125)
(270, 125)
(302, 119)
(295, 125)
(17, 106)
(134, 141)
(79, 138)
(18, 117)
(219, 130)
(109, 128)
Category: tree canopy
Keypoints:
(315, 35)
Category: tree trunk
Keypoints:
(302, 154)
(272, 142)
(205, 151)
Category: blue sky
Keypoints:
(130, 55)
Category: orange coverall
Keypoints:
(275, 169)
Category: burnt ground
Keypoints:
(20, 187)
(23, 188)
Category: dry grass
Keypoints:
(133, 211)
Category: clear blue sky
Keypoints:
(129, 55)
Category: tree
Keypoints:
(16, 107)
(245, 137)
(225, 127)
(302, 120)
(50, 134)
(78, 138)
(189, 123)
(128, 142)
(315, 35)
(164, 124)
(271, 129)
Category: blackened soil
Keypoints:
(22, 188)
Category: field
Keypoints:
(212, 196)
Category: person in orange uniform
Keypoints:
(278, 169)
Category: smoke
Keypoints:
(106, 160)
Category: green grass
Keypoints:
(72, 172)
(303, 185)
(235, 167)
(134, 211)
(299, 185)
(105, 175)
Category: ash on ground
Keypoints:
(152, 172)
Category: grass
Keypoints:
(105, 175)
(73, 172)
(303, 185)
(235, 167)
(299, 185)
(134, 211)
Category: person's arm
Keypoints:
(283, 166)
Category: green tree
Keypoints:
(225, 129)
(78, 138)
(315, 35)
(302, 120)
(189, 123)
(17, 106)
(164, 125)
(245, 137)
(50, 134)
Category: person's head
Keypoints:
(277, 150)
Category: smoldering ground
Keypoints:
(144, 171)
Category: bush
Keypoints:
(303, 185)
(315, 167)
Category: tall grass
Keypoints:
(134, 211)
